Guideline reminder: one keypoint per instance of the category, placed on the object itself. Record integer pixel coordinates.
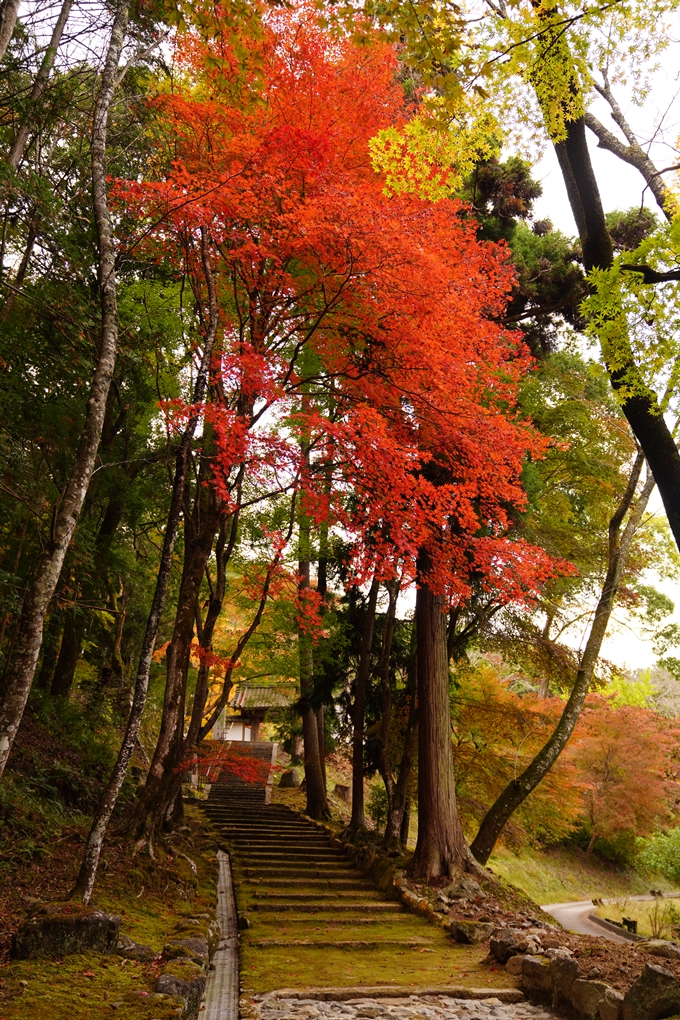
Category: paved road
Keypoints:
(574, 917)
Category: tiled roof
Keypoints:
(251, 696)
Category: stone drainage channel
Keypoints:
(221, 1002)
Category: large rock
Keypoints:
(564, 971)
(586, 997)
(131, 950)
(195, 949)
(654, 996)
(343, 792)
(290, 779)
(503, 947)
(536, 976)
(465, 888)
(514, 965)
(611, 1005)
(470, 933)
(190, 991)
(660, 947)
(63, 928)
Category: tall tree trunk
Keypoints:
(18, 146)
(322, 588)
(358, 820)
(95, 840)
(516, 792)
(66, 516)
(50, 650)
(8, 19)
(69, 653)
(441, 851)
(638, 405)
(317, 802)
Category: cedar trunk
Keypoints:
(358, 819)
(441, 851)
(317, 802)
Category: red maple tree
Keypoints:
(359, 360)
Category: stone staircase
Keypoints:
(312, 918)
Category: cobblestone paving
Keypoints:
(413, 1008)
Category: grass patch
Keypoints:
(560, 874)
(658, 919)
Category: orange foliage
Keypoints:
(628, 767)
(619, 774)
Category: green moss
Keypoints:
(80, 987)
(446, 963)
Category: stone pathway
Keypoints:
(221, 992)
(414, 1007)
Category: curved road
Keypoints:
(574, 916)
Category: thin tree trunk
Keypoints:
(321, 730)
(8, 19)
(358, 820)
(516, 792)
(18, 146)
(88, 868)
(69, 653)
(317, 802)
(322, 588)
(21, 269)
(50, 650)
(405, 823)
(68, 511)
(441, 851)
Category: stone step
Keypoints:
(404, 918)
(357, 944)
(327, 907)
(341, 884)
(368, 896)
(284, 858)
(282, 846)
(332, 871)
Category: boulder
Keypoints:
(655, 995)
(564, 971)
(514, 965)
(290, 779)
(195, 949)
(503, 947)
(465, 888)
(471, 932)
(190, 991)
(63, 928)
(610, 1007)
(131, 950)
(586, 997)
(244, 922)
(660, 947)
(343, 792)
(536, 975)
